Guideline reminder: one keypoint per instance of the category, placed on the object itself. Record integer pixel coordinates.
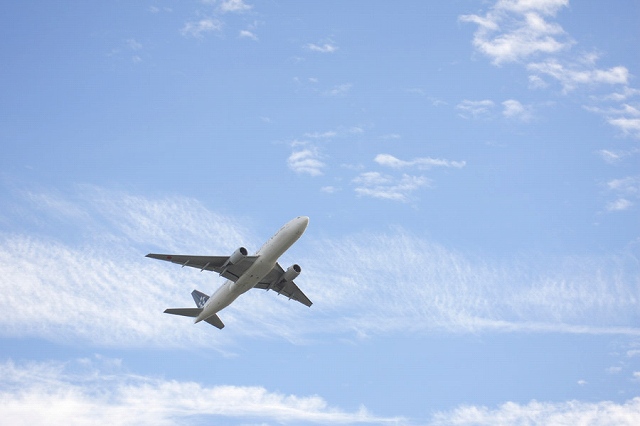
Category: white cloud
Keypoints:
(322, 48)
(306, 161)
(237, 6)
(377, 185)
(515, 110)
(626, 93)
(545, 413)
(516, 30)
(199, 28)
(422, 163)
(613, 157)
(623, 189)
(248, 34)
(329, 189)
(628, 126)
(475, 108)
(619, 205)
(83, 393)
(572, 76)
(629, 185)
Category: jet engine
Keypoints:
(237, 256)
(291, 273)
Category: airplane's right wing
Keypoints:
(273, 281)
(209, 263)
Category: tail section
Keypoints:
(214, 320)
(200, 299)
(185, 312)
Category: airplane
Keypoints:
(243, 273)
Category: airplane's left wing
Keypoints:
(274, 281)
(209, 263)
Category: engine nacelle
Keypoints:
(237, 256)
(291, 273)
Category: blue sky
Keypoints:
(470, 168)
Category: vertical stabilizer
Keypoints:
(200, 298)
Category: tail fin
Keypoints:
(200, 298)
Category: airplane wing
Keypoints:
(209, 263)
(273, 281)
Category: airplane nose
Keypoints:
(303, 221)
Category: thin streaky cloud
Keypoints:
(544, 413)
(91, 290)
(421, 163)
(322, 48)
(248, 34)
(438, 289)
(377, 185)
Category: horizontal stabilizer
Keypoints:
(185, 312)
(214, 320)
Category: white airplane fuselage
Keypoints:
(267, 257)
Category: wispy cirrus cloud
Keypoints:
(421, 163)
(329, 47)
(378, 185)
(547, 413)
(440, 289)
(90, 391)
(96, 287)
